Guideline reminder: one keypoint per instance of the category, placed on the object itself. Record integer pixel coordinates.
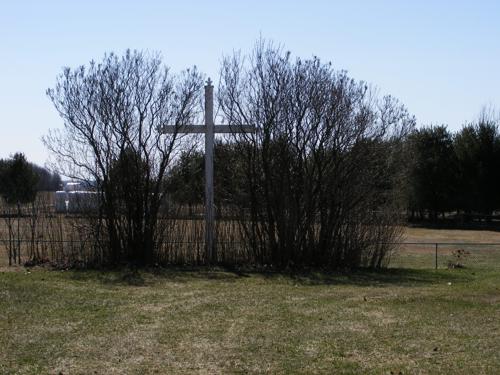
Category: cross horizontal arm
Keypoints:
(228, 129)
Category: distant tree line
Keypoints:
(17, 173)
(441, 174)
(454, 172)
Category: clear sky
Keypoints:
(440, 58)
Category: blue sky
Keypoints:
(440, 58)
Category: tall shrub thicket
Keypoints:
(319, 176)
(113, 112)
(317, 184)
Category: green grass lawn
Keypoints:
(201, 321)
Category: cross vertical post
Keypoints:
(209, 129)
(209, 174)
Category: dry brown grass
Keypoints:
(450, 235)
(214, 321)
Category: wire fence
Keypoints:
(411, 255)
(37, 231)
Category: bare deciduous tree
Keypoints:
(112, 113)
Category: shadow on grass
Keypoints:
(393, 276)
(359, 277)
(150, 276)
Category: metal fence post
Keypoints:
(436, 255)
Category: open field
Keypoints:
(409, 321)
(450, 235)
(419, 249)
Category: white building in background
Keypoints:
(61, 201)
(75, 199)
(82, 201)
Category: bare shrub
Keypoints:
(319, 181)
(113, 112)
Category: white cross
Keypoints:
(209, 129)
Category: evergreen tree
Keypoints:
(432, 176)
(477, 149)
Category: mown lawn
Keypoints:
(217, 321)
